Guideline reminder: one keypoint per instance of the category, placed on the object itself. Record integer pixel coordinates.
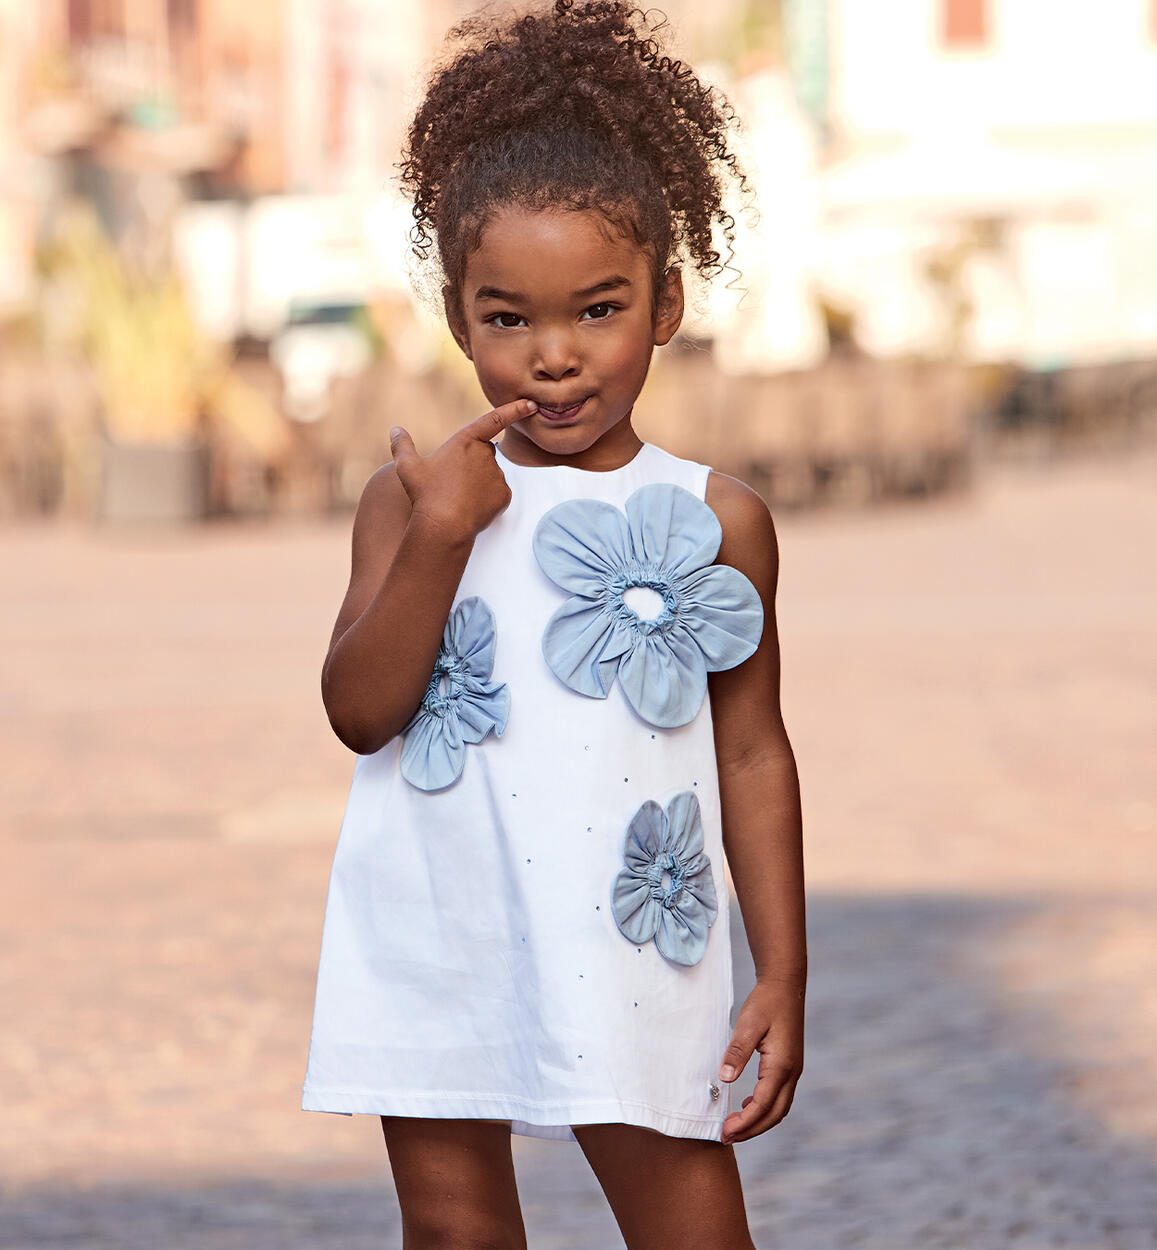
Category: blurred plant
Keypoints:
(750, 36)
(945, 268)
(840, 322)
(759, 31)
(159, 377)
(51, 71)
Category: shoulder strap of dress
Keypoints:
(689, 474)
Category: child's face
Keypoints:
(556, 307)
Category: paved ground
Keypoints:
(969, 687)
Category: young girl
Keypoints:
(557, 663)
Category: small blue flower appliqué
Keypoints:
(461, 704)
(647, 605)
(666, 891)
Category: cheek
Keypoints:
(627, 359)
(499, 375)
(496, 364)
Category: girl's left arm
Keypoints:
(762, 828)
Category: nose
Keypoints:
(555, 355)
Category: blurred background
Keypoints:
(938, 363)
(205, 307)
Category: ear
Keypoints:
(669, 312)
(452, 306)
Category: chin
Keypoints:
(564, 439)
(581, 432)
(567, 438)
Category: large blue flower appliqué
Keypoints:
(695, 617)
(461, 704)
(666, 891)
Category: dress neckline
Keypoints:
(573, 468)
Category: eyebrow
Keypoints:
(612, 283)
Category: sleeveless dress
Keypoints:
(527, 916)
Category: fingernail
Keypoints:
(727, 1072)
(531, 406)
(395, 431)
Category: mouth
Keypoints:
(562, 412)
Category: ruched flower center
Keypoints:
(643, 577)
(447, 685)
(665, 877)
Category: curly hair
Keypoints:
(573, 105)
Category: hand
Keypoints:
(459, 488)
(770, 1021)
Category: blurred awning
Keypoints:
(64, 123)
(953, 177)
(61, 123)
(182, 148)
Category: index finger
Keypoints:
(492, 423)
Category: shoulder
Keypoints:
(735, 502)
(383, 495)
(383, 486)
(382, 513)
(749, 541)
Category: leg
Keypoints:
(668, 1193)
(455, 1182)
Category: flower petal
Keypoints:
(700, 886)
(646, 836)
(579, 544)
(635, 911)
(723, 611)
(433, 753)
(672, 527)
(471, 635)
(684, 825)
(583, 644)
(483, 707)
(696, 864)
(665, 678)
(682, 933)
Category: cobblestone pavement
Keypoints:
(969, 688)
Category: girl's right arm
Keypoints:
(413, 533)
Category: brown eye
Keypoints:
(599, 312)
(498, 320)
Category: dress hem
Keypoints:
(547, 1120)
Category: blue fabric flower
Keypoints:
(461, 704)
(666, 891)
(706, 616)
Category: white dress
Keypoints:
(471, 961)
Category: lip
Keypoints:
(560, 413)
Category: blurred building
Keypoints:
(354, 69)
(134, 106)
(940, 184)
(991, 181)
